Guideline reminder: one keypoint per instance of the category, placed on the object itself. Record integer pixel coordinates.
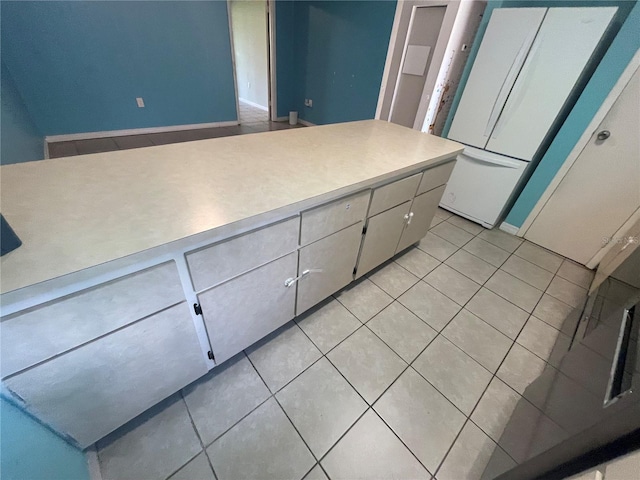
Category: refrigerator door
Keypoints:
(481, 185)
(561, 50)
(506, 42)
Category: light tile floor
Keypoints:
(252, 120)
(411, 372)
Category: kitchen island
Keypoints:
(140, 270)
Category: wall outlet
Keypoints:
(308, 102)
(140, 102)
(248, 84)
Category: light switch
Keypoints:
(140, 102)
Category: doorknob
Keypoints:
(603, 135)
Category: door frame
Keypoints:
(405, 12)
(608, 102)
(270, 10)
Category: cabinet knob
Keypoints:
(603, 135)
(408, 217)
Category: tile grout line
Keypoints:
(195, 429)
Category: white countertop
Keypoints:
(78, 212)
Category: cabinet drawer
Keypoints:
(423, 209)
(42, 332)
(393, 194)
(241, 311)
(322, 221)
(335, 256)
(436, 176)
(89, 392)
(220, 262)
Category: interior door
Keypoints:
(424, 29)
(601, 190)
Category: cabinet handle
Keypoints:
(290, 281)
(408, 217)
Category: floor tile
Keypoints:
(453, 284)
(516, 291)
(154, 445)
(430, 305)
(443, 214)
(499, 463)
(498, 312)
(393, 279)
(132, 141)
(328, 324)
(575, 273)
(421, 416)
(165, 138)
(364, 299)
(371, 451)
(501, 239)
(540, 256)
(466, 225)
(455, 374)
(198, 468)
(552, 311)
(471, 266)
(405, 333)
(567, 292)
(540, 338)
(248, 450)
(520, 368)
(417, 262)
(282, 355)
(62, 149)
(481, 341)
(367, 363)
(95, 145)
(316, 473)
(452, 234)
(321, 405)
(223, 396)
(469, 456)
(495, 408)
(435, 221)
(487, 251)
(437, 247)
(527, 272)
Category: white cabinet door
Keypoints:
(560, 52)
(241, 311)
(504, 47)
(422, 211)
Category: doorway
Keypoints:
(252, 43)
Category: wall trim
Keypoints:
(306, 123)
(135, 131)
(282, 119)
(507, 227)
(93, 464)
(253, 104)
(608, 102)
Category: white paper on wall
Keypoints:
(415, 60)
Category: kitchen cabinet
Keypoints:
(92, 390)
(421, 213)
(241, 311)
(329, 263)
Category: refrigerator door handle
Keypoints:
(493, 161)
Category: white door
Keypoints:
(601, 190)
(561, 50)
(504, 47)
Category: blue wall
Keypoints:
(31, 451)
(339, 55)
(80, 65)
(20, 140)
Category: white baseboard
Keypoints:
(253, 104)
(507, 227)
(46, 149)
(135, 131)
(282, 119)
(92, 463)
(305, 123)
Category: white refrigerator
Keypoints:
(528, 64)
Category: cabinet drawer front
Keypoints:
(423, 208)
(394, 194)
(381, 239)
(322, 221)
(89, 392)
(336, 257)
(242, 311)
(48, 330)
(434, 177)
(220, 262)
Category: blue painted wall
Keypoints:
(20, 140)
(28, 450)
(80, 65)
(339, 56)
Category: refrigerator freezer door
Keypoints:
(505, 44)
(560, 52)
(481, 185)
